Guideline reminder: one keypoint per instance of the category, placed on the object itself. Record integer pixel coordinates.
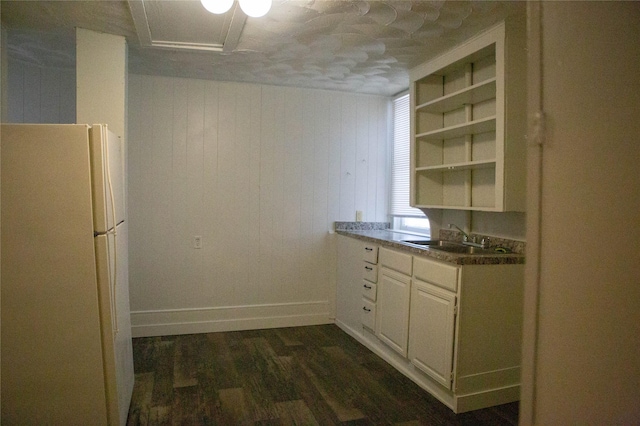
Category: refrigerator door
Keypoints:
(52, 365)
(107, 172)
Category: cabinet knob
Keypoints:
(368, 268)
(368, 287)
(366, 309)
(368, 249)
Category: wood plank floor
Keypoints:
(314, 375)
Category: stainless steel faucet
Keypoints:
(471, 241)
(465, 236)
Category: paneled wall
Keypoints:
(40, 94)
(260, 173)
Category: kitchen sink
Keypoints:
(450, 246)
(459, 248)
(427, 242)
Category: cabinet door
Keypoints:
(432, 331)
(394, 290)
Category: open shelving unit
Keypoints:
(467, 147)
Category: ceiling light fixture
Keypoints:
(253, 8)
(217, 6)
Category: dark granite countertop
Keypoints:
(392, 239)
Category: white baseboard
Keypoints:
(456, 402)
(228, 318)
(487, 398)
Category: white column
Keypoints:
(101, 79)
(101, 83)
(4, 76)
(582, 298)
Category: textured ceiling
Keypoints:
(358, 46)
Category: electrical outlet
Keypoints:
(197, 242)
(358, 215)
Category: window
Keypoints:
(405, 217)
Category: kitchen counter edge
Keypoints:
(388, 238)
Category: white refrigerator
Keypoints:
(66, 332)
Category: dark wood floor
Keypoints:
(315, 375)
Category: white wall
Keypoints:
(581, 360)
(39, 94)
(261, 173)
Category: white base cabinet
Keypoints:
(465, 325)
(453, 330)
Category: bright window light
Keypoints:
(405, 217)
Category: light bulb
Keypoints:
(255, 8)
(217, 6)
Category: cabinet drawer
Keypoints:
(440, 274)
(369, 290)
(370, 272)
(368, 314)
(370, 253)
(396, 260)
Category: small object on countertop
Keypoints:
(502, 250)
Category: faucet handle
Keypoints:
(485, 242)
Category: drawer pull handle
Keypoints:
(366, 309)
(368, 249)
(368, 287)
(368, 268)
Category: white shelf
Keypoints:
(468, 165)
(471, 164)
(457, 207)
(483, 125)
(477, 93)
